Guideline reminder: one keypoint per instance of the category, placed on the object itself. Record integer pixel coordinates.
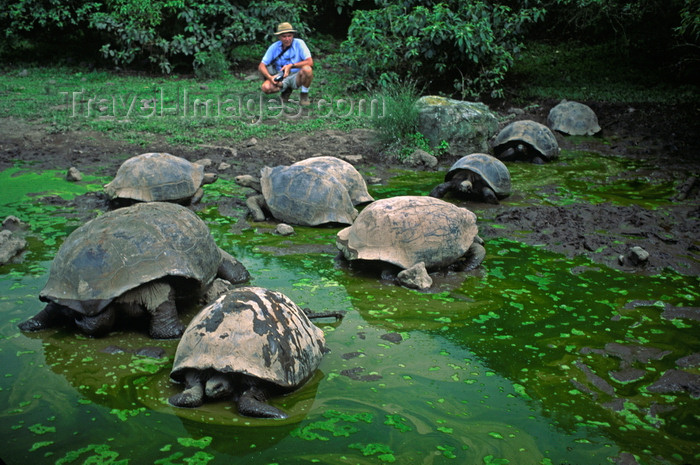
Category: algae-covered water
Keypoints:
(523, 361)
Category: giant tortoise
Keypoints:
(407, 230)
(526, 140)
(345, 173)
(159, 177)
(299, 194)
(478, 177)
(249, 345)
(130, 262)
(573, 118)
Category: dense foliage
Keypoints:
(464, 47)
(158, 31)
(470, 45)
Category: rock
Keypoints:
(374, 180)
(421, 157)
(205, 162)
(284, 229)
(223, 166)
(635, 256)
(415, 277)
(11, 246)
(392, 337)
(352, 159)
(74, 175)
(151, 352)
(12, 223)
(466, 126)
(689, 361)
(677, 381)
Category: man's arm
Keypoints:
(286, 69)
(262, 67)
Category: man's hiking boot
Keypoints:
(304, 99)
(285, 95)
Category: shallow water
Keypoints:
(519, 362)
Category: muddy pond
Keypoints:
(537, 357)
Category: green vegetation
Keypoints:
(180, 110)
(463, 48)
(469, 45)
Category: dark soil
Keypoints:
(669, 136)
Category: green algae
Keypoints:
(509, 365)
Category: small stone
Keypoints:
(74, 175)
(415, 277)
(151, 352)
(223, 166)
(421, 157)
(635, 256)
(284, 229)
(12, 223)
(205, 162)
(11, 246)
(352, 159)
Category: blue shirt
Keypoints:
(297, 52)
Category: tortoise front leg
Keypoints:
(50, 316)
(231, 269)
(252, 404)
(489, 195)
(165, 322)
(255, 204)
(474, 256)
(99, 324)
(193, 394)
(440, 190)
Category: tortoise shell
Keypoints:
(573, 118)
(535, 135)
(407, 230)
(125, 248)
(156, 177)
(492, 170)
(345, 173)
(305, 196)
(252, 331)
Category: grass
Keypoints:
(181, 110)
(188, 111)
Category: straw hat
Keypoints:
(283, 28)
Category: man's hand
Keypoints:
(286, 69)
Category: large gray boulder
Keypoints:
(466, 126)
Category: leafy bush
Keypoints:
(469, 45)
(157, 31)
(210, 65)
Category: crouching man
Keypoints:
(287, 65)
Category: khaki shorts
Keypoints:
(290, 82)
